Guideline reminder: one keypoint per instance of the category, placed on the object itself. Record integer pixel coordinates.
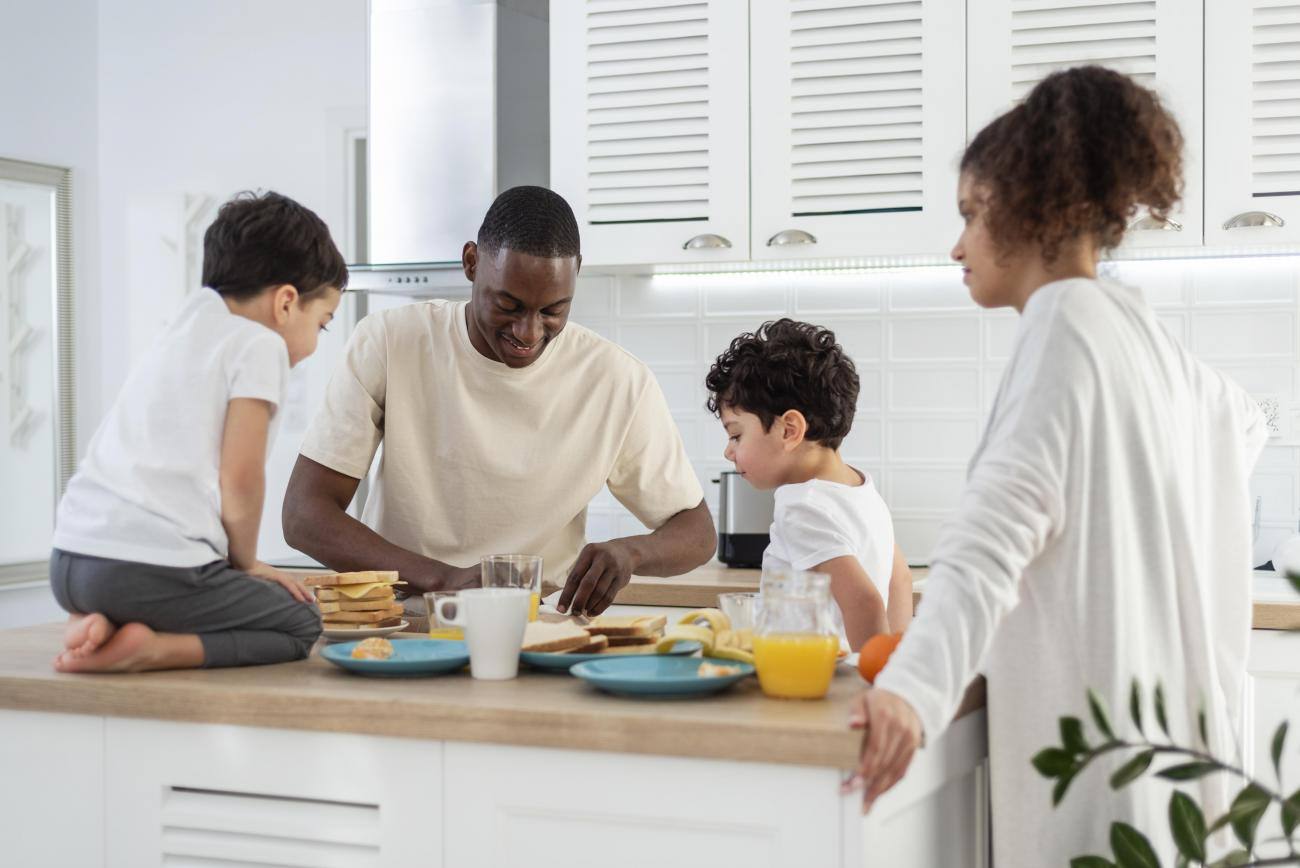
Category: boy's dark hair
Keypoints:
(1078, 156)
(266, 239)
(532, 220)
(788, 365)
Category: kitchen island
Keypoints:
(303, 764)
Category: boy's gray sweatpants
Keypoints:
(241, 620)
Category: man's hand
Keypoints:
(601, 571)
(893, 733)
(296, 589)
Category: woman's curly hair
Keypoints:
(1086, 148)
(788, 365)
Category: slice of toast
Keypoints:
(327, 607)
(632, 649)
(381, 592)
(595, 646)
(338, 625)
(627, 625)
(346, 605)
(367, 577)
(365, 617)
(541, 637)
(627, 641)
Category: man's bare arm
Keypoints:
(316, 523)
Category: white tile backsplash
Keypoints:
(929, 363)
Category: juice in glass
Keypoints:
(446, 632)
(795, 665)
(534, 601)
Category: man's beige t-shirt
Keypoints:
(483, 459)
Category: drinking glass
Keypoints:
(515, 571)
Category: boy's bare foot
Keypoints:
(85, 634)
(136, 648)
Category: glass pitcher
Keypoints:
(795, 639)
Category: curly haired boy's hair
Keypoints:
(788, 365)
(1086, 148)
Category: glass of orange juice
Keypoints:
(515, 571)
(795, 639)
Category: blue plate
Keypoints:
(410, 657)
(658, 675)
(564, 662)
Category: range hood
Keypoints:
(459, 111)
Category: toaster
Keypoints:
(744, 521)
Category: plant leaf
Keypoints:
(1072, 735)
(1279, 739)
(1052, 762)
(1131, 770)
(1295, 581)
(1187, 824)
(1132, 849)
(1135, 705)
(1201, 725)
(1218, 824)
(1062, 784)
(1160, 711)
(1091, 862)
(1246, 811)
(1187, 771)
(1099, 715)
(1291, 813)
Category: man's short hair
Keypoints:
(265, 239)
(788, 365)
(532, 220)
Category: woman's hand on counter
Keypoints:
(892, 735)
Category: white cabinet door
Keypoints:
(1274, 696)
(1252, 106)
(649, 127)
(190, 794)
(1014, 44)
(858, 119)
(551, 808)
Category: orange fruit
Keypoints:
(875, 654)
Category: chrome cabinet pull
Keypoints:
(1254, 218)
(1149, 222)
(707, 241)
(790, 238)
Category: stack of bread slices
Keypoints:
(357, 601)
(607, 634)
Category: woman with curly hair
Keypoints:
(1103, 533)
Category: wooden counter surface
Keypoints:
(536, 709)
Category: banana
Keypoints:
(732, 654)
(687, 633)
(716, 620)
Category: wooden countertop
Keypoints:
(1276, 606)
(536, 709)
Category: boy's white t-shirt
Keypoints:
(818, 520)
(148, 489)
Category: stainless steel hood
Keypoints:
(459, 111)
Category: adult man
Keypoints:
(499, 425)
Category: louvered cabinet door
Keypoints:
(649, 127)
(858, 117)
(1252, 111)
(1015, 44)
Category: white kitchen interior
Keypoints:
(790, 158)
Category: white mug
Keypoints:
(494, 620)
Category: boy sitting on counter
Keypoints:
(786, 395)
(155, 544)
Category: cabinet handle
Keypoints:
(1152, 223)
(1254, 218)
(790, 238)
(707, 241)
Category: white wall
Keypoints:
(199, 100)
(930, 361)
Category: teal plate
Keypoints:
(657, 676)
(410, 657)
(565, 662)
